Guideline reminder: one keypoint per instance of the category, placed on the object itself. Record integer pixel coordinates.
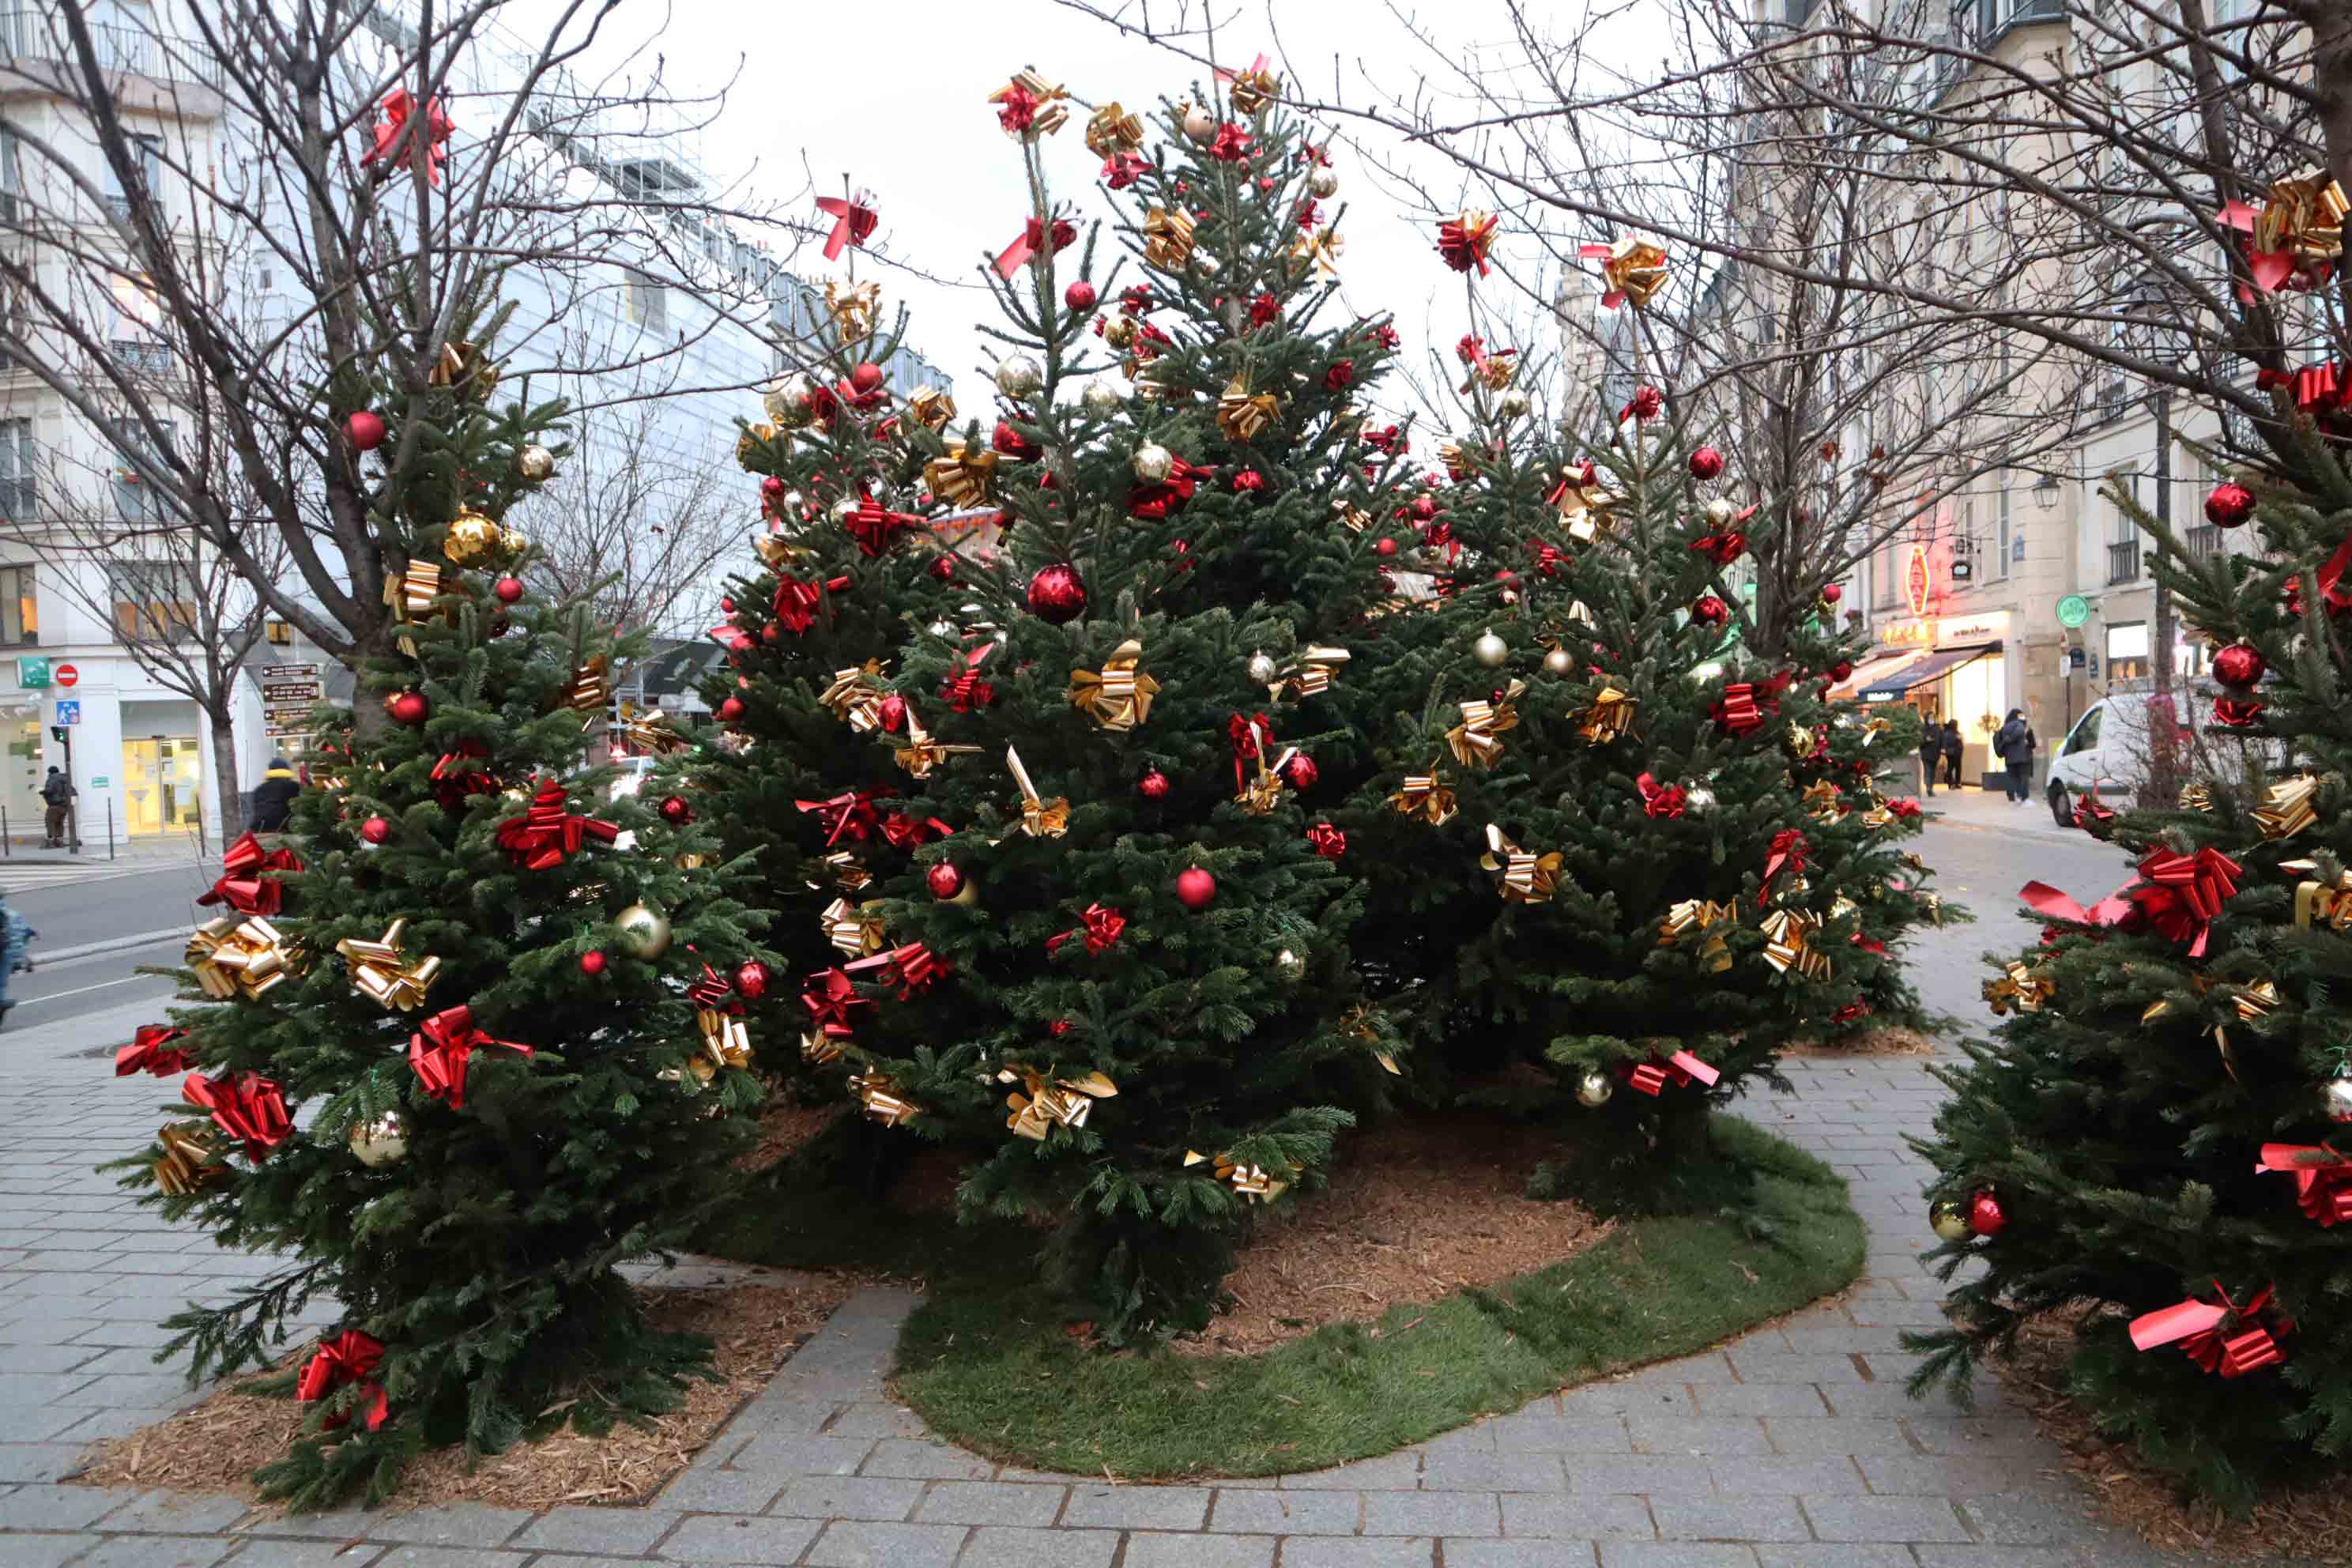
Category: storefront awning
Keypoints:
(1874, 670)
(1935, 667)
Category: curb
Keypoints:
(112, 944)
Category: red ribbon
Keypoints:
(1741, 708)
(453, 781)
(730, 637)
(2197, 1328)
(1327, 840)
(1010, 443)
(393, 127)
(2182, 894)
(1249, 737)
(1035, 235)
(546, 833)
(1159, 501)
(1389, 439)
(2269, 268)
(349, 1358)
(246, 1106)
(1101, 926)
(1681, 1069)
(1465, 247)
(1231, 144)
(829, 997)
(873, 526)
(964, 689)
(439, 1049)
(714, 990)
(853, 221)
(851, 812)
(1723, 549)
(2235, 713)
(1788, 853)
(242, 887)
(2333, 591)
(796, 604)
(2319, 389)
(1661, 800)
(1647, 403)
(905, 831)
(149, 1051)
(2322, 1179)
(910, 968)
(1121, 170)
(2051, 904)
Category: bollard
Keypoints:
(109, 830)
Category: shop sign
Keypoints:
(1954, 631)
(32, 672)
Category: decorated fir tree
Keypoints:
(455, 1045)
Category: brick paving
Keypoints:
(1793, 1447)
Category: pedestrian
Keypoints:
(1952, 753)
(2014, 746)
(1931, 750)
(273, 798)
(60, 791)
(16, 951)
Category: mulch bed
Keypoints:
(216, 1445)
(2300, 1527)
(1422, 1207)
(1883, 1040)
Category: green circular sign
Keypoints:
(2073, 610)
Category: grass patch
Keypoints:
(987, 1363)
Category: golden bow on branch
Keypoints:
(1610, 718)
(1634, 269)
(1119, 697)
(1052, 111)
(1477, 740)
(1255, 87)
(2316, 902)
(1167, 238)
(191, 1159)
(2019, 989)
(1242, 414)
(1423, 797)
(2305, 215)
(726, 1042)
(961, 478)
(381, 971)
(230, 955)
(818, 1049)
(1787, 936)
(931, 407)
(2197, 797)
(1822, 802)
(853, 310)
(1064, 1101)
(1700, 915)
(649, 732)
(879, 1093)
(1039, 819)
(589, 692)
(1584, 508)
(1249, 1181)
(1264, 793)
(410, 592)
(855, 696)
(2287, 809)
(920, 755)
(1111, 130)
(1320, 249)
(1520, 877)
(1311, 676)
(1455, 458)
(857, 929)
(778, 550)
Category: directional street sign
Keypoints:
(68, 709)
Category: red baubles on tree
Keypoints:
(1985, 1217)
(364, 430)
(1832, 593)
(866, 379)
(375, 830)
(408, 708)
(751, 978)
(675, 811)
(1079, 296)
(508, 590)
(2229, 504)
(1301, 772)
(591, 963)
(1710, 611)
(730, 710)
(891, 713)
(1706, 463)
(1385, 547)
(1057, 594)
(945, 879)
(1195, 889)
(2241, 665)
(1152, 785)
(1842, 670)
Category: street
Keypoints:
(141, 897)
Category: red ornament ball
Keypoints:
(866, 378)
(2241, 665)
(1152, 785)
(1985, 1216)
(943, 568)
(675, 811)
(592, 962)
(1833, 594)
(364, 430)
(771, 634)
(892, 712)
(771, 488)
(1710, 611)
(1706, 463)
(1424, 508)
(1079, 296)
(508, 590)
(732, 710)
(1060, 1028)
(1195, 889)
(1057, 594)
(375, 830)
(1385, 547)
(408, 708)
(1301, 773)
(1842, 670)
(2230, 505)
(751, 978)
(944, 879)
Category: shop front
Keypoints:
(1946, 668)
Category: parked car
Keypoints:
(2104, 755)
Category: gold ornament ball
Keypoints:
(1100, 397)
(1199, 123)
(1698, 799)
(1290, 964)
(2335, 1095)
(1119, 331)
(1719, 512)
(1559, 661)
(793, 503)
(380, 1142)
(1019, 376)
(1154, 463)
(473, 541)
(1593, 1088)
(1261, 669)
(1512, 405)
(1324, 181)
(643, 932)
(511, 543)
(1949, 1217)
(788, 404)
(535, 463)
(1489, 649)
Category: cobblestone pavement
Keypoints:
(1793, 1447)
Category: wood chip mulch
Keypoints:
(1883, 1040)
(216, 1445)
(1423, 1207)
(2298, 1527)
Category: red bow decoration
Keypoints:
(714, 990)
(347, 1359)
(964, 689)
(1231, 144)
(1903, 806)
(910, 968)
(797, 603)
(1788, 853)
(1661, 800)
(829, 998)
(851, 812)
(1327, 840)
(1036, 235)
(1121, 170)
(1169, 496)
(453, 781)
(1550, 558)
(2235, 713)
(1723, 549)
(393, 129)
(730, 637)
(1647, 403)
(1102, 927)
(2051, 904)
(1741, 708)
(1251, 737)
(2196, 1327)
(542, 836)
(1009, 442)
(2181, 894)
(2319, 389)
(1681, 1069)
(1389, 439)
(2333, 591)
(853, 222)
(149, 1051)
(873, 526)
(1463, 241)
(241, 885)
(439, 1049)
(246, 1106)
(905, 831)
(2322, 1179)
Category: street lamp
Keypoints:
(2045, 491)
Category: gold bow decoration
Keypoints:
(381, 971)
(1241, 414)
(1320, 249)
(649, 731)
(846, 870)
(1255, 87)
(1634, 269)
(1878, 816)
(2197, 797)
(2287, 807)
(410, 592)
(754, 437)
(229, 955)
(1311, 676)
(1787, 937)
(191, 1159)
(855, 696)
(2019, 989)
(920, 755)
(1871, 728)
(1039, 1106)
(1702, 916)
(1423, 795)
(1610, 718)
(464, 367)
(1261, 794)
(1584, 508)
(819, 1048)
(1477, 740)
(2320, 903)
(853, 310)
(961, 478)
(1167, 238)
(1111, 130)
(1119, 697)
(588, 692)
(878, 1094)
(931, 407)
(1359, 1023)
(778, 550)
(726, 1042)
(856, 928)
(1822, 802)
(1520, 877)
(1355, 517)
(1039, 819)
(1455, 458)
(2305, 215)
(1249, 1181)
(1053, 110)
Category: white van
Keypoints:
(2106, 753)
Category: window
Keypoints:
(12, 176)
(2006, 537)
(17, 491)
(2127, 651)
(280, 633)
(2087, 733)
(20, 609)
(135, 499)
(147, 152)
(648, 305)
(153, 600)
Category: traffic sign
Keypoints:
(68, 709)
(67, 675)
(2073, 610)
(32, 672)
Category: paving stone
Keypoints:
(2016, 1520)
(1587, 1433)
(1400, 1471)
(990, 1502)
(922, 1459)
(724, 1491)
(454, 1524)
(858, 1544)
(320, 1554)
(1801, 1399)
(1331, 1551)
(1765, 1366)
(1577, 1518)
(848, 1497)
(1835, 1435)
(789, 1454)
(1512, 1554)
(1434, 1513)
(179, 1513)
(2004, 1434)
(787, 1417)
(128, 1391)
(59, 1508)
(1673, 1554)
(1287, 1513)
(1592, 1475)
(1618, 1398)
(738, 1537)
(1696, 1435)
(1491, 1473)
(448, 1557)
(44, 1550)
(1149, 1549)
(155, 1552)
(1943, 1475)
(1839, 1554)
(1729, 1519)
(994, 1547)
(612, 1531)
(1137, 1508)
(1886, 1519)
(874, 1421)
(1788, 1473)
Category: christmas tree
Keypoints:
(499, 1021)
(2146, 1142)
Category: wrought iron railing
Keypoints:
(35, 36)
(2123, 562)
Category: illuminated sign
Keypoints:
(1915, 580)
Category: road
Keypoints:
(105, 907)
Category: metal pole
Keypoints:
(6, 848)
(110, 828)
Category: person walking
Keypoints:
(1931, 752)
(16, 951)
(2014, 745)
(273, 798)
(1952, 753)
(60, 791)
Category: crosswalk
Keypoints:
(21, 872)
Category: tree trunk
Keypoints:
(226, 781)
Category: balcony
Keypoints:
(36, 55)
(2123, 562)
(2204, 541)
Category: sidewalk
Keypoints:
(1991, 811)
